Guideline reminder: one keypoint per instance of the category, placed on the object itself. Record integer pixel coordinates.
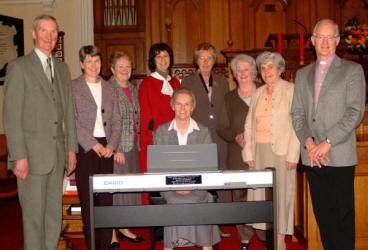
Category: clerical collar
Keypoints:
(326, 62)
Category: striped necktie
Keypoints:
(49, 70)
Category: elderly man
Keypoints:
(40, 127)
(328, 104)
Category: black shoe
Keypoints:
(244, 246)
(114, 245)
(159, 234)
(137, 239)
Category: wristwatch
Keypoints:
(328, 141)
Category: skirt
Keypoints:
(131, 166)
(285, 188)
(185, 236)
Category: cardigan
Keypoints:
(130, 113)
(283, 137)
(86, 112)
(231, 123)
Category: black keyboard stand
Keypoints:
(183, 214)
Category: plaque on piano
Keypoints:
(183, 179)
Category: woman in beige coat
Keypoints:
(271, 140)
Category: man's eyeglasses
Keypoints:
(329, 38)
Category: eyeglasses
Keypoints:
(329, 38)
(207, 58)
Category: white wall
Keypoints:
(66, 14)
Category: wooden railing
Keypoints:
(183, 70)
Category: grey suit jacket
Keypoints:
(86, 112)
(165, 137)
(130, 113)
(340, 109)
(30, 119)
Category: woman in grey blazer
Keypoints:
(184, 130)
(99, 127)
(209, 89)
(126, 157)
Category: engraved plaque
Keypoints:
(184, 179)
(11, 42)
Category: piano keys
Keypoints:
(181, 181)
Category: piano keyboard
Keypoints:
(181, 181)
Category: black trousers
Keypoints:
(332, 193)
(88, 163)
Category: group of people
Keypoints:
(106, 126)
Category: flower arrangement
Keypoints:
(355, 36)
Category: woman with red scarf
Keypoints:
(154, 98)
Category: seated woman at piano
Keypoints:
(271, 140)
(184, 130)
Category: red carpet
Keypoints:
(11, 234)
(231, 243)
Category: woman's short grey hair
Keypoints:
(183, 91)
(326, 21)
(276, 58)
(244, 58)
(89, 50)
(205, 46)
(118, 55)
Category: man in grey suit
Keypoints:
(328, 104)
(40, 127)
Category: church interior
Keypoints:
(233, 27)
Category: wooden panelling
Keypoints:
(188, 23)
(353, 8)
(128, 38)
(133, 47)
(72, 225)
(185, 35)
(239, 23)
(183, 24)
(270, 17)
